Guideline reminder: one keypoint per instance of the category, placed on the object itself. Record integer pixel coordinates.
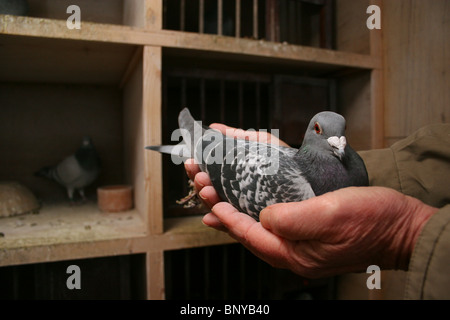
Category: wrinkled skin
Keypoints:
(342, 231)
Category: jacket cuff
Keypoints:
(428, 267)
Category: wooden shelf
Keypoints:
(62, 223)
(189, 232)
(61, 232)
(117, 67)
(197, 44)
(32, 237)
(44, 60)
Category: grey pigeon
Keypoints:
(77, 171)
(252, 175)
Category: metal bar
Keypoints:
(202, 99)
(255, 19)
(222, 101)
(272, 20)
(220, 17)
(238, 19)
(258, 106)
(183, 92)
(201, 16)
(326, 25)
(242, 272)
(225, 271)
(183, 105)
(241, 105)
(186, 72)
(259, 280)
(206, 273)
(182, 14)
(316, 2)
(187, 273)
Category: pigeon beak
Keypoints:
(338, 146)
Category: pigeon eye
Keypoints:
(317, 128)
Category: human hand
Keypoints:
(259, 136)
(342, 231)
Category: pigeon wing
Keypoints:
(260, 175)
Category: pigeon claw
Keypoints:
(191, 200)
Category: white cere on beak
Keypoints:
(338, 145)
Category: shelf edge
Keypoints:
(271, 51)
(185, 233)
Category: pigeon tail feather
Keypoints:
(179, 150)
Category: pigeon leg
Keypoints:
(191, 199)
(70, 195)
(83, 196)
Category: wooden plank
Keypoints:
(60, 223)
(174, 39)
(55, 61)
(417, 54)
(134, 13)
(152, 58)
(355, 103)
(155, 275)
(154, 14)
(137, 56)
(351, 32)
(133, 135)
(181, 233)
(377, 109)
(110, 11)
(377, 86)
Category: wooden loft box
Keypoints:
(107, 80)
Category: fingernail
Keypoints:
(202, 196)
(201, 185)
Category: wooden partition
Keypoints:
(110, 73)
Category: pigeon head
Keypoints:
(326, 134)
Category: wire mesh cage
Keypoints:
(300, 22)
(231, 272)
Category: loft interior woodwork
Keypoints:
(125, 51)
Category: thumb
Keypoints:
(305, 220)
(321, 217)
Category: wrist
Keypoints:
(419, 214)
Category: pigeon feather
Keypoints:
(252, 175)
(76, 171)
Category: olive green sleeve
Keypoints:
(428, 274)
(419, 166)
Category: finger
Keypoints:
(201, 180)
(323, 217)
(236, 132)
(250, 233)
(306, 220)
(191, 168)
(209, 196)
(260, 136)
(261, 242)
(212, 221)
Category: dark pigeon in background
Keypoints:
(253, 175)
(77, 171)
